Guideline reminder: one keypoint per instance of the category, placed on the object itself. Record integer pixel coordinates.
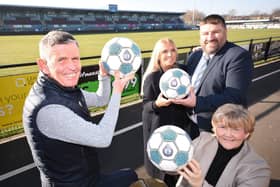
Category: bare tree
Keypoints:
(192, 17)
(276, 12)
(231, 13)
(188, 17)
(255, 13)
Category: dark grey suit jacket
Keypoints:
(226, 80)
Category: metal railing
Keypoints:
(252, 44)
(261, 49)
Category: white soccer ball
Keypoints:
(175, 83)
(121, 54)
(169, 148)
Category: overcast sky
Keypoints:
(242, 7)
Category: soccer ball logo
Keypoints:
(169, 148)
(121, 54)
(174, 83)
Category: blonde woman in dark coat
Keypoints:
(157, 110)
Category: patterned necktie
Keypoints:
(199, 71)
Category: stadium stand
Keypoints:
(23, 19)
(252, 24)
(30, 20)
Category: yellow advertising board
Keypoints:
(14, 90)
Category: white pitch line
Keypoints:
(265, 75)
(16, 171)
(124, 130)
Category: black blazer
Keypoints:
(226, 80)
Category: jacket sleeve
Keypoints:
(102, 95)
(150, 94)
(58, 122)
(254, 173)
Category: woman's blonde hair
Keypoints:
(234, 116)
(154, 63)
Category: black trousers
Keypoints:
(171, 180)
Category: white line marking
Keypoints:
(124, 130)
(16, 171)
(265, 75)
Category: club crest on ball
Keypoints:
(175, 83)
(169, 147)
(121, 54)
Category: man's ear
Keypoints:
(43, 66)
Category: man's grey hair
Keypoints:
(54, 38)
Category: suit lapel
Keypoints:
(208, 69)
(213, 62)
(207, 147)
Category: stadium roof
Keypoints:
(248, 21)
(79, 9)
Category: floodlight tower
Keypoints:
(193, 12)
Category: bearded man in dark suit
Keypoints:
(226, 78)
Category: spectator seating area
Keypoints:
(14, 19)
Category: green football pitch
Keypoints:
(21, 49)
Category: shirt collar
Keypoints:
(210, 56)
